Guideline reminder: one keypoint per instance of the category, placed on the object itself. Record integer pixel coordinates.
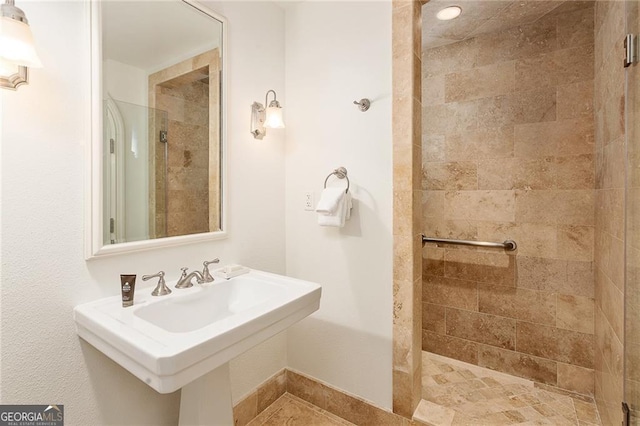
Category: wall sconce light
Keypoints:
(262, 118)
(17, 50)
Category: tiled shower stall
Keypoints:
(523, 139)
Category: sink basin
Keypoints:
(202, 308)
(170, 341)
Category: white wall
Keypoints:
(125, 83)
(338, 52)
(44, 132)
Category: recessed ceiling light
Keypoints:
(449, 13)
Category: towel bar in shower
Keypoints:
(508, 245)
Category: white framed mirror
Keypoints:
(156, 163)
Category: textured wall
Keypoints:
(347, 343)
(508, 153)
(44, 274)
(609, 236)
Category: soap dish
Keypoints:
(231, 271)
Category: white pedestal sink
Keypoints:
(186, 339)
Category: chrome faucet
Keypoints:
(201, 278)
(206, 275)
(161, 289)
(185, 279)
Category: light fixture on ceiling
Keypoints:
(449, 13)
(17, 49)
(262, 117)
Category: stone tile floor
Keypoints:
(457, 393)
(292, 411)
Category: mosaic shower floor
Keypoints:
(457, 393)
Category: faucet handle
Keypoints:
(206, 275)
(183, 282)
(161, 289)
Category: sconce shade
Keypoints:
(262, 117)
(274, 117)
(16, 44)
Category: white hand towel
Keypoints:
(342, 213)
(329, 200)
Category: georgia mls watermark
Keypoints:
(31, 415)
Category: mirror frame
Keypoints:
(94, 244)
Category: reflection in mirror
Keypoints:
(161, 116)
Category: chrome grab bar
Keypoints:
(508, 245)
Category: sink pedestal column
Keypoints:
(207, 400)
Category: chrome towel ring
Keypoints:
(340, 173)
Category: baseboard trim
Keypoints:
(337, 402)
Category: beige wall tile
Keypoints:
(402, 110)
(575, 172)
(554, 138)
(246, 410)
(565, 66)
(403, 173)
(575, 242)
(524, 107)
(432, 260)
(433, 147)
(517, 42)
(497, 79)
(517, 173)
(356, 410)
(449, 118)
(555, 276)
(451, 347)
(575, 100)
(433, 90)
(483, 267)
(273, 389)
(553, 343)
(575, 313)
(480, 205)
(446, 59)
(576, 379)
(576, 28)
(482, 328)
(611, 300)
(450, 292)
(402, 388)
(521, 365)
(497, 175)
(580, 278)
(570, 207)
(307, 389)
(450, 176)
(403, 205)
(614, 157)
(403, 259)
(611, 259)
(518, 303)
(610, 211)
(432, 204)
(533, 239)
(454, 229)
(488, 143)
(433, 318)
